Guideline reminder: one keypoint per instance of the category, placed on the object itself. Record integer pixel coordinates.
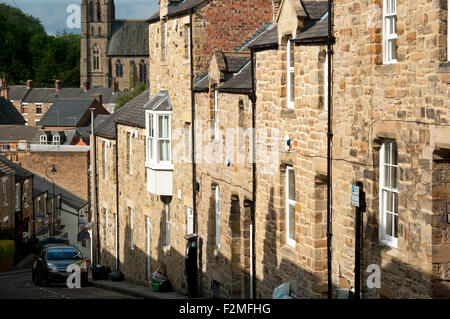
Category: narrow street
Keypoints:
(20, 286)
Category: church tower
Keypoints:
(96, 20)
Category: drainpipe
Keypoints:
(94, 216)
(117, 201)
(194, 191)
(329, 141)
(252, 211)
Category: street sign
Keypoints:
(355, 196)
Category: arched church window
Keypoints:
(91, 12)
(119, 69)
(142, 71)
(99, 11)
(96, 55)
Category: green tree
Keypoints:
(125, 98)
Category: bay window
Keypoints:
(217, 211)
(159, 145)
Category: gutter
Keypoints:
(194, 206)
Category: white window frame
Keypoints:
(189, 221)
(45, 204)
(5, 192)
(105, 161)
(388, 38)
(130, 153)
(217, 214)
(39, 204)
(216, 115)
(383, 192)
(165, 41)
(132, 227)
(17, 196)
(289, 203)
(43, 139)
(290, 75)
(153, 157)
(106, 227)
(24, 106)
(167, 225)
(56, 139)
(25, 184)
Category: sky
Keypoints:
(53, 13)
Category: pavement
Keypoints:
(135, 290)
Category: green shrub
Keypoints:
(7, 249)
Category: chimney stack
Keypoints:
(85, 85)
(58, 85)
(4, 89)
(98, 98)
(30, 84)
(115, 85)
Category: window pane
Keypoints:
(387, 152)
(387, 175)
(291, 184)
(389, 224)
(160, 126)
(393, 49)
(292, 222)
(394, 160)
(389, 206)
(393, 176)
(163, 150)
(395, 202)
(291, 54)
(166, 126)
(396, 226)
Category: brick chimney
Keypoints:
(115, 85)
(58, 85)
(85, 85)
(30, 84)
(98, 98)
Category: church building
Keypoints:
(114, 53)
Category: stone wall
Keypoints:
(303, 265)
(229, 264)
(130, 67)
(406, 102)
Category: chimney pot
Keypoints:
(30, 84)
(58, 85)
(85, 85)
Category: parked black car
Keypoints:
(51, 265)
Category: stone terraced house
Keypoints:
(278, 207)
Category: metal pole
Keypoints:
(93, 192)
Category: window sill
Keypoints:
(444, 67)
(159, 167)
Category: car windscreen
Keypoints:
(60, 253)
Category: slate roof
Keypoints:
(129, 37)
(108, 96)
(66, 112)
(201, 84)
(131, 113)
(256, 36)
(268, 38)
(5, 170)
(9, 113)
(177, 8)
(19, 172)
(231, 62)
(42, 185)
(40, 95)
(159, 102)
(241, 82)
(15, 133)
(317, 31)
(17, 92)
(315, 9)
